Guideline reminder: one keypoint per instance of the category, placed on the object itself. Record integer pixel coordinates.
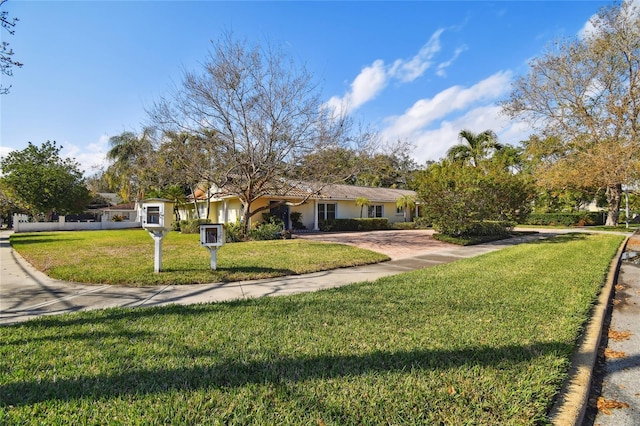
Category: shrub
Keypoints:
(267, 231)
(296, 220)
(337, 225)
(233, 233)
(404, 225)
(490, 228)
(565, 218)
(455, 197)
(422, 222)
(373, 224)
(192, 226)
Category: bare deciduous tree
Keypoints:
(261, 115)
(6, 53)
(586, 92)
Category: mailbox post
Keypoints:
(157, 218)
(212, 237)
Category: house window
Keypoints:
(375, 211)
(399, 210)
(326, 211)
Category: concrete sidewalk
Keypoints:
(27, 293)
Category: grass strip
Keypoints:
(126, 257)
(481, 341)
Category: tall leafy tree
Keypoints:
(474, 147)
(267, 115)
(457, 196)
(586, 93)
(42, 182)
(554, 194)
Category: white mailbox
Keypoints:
(157, 218)
(212, 235)
(212, 238)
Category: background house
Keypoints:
(332, 202)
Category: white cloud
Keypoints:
(433, 125)
(375, 77)
(588, 28)
(444, 65)
(5, 150)
(433, 144)
(456, 98)
(91, 157)
(365, 87)
(407, 71)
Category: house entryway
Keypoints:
(281, 212)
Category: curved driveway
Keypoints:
(397, 244)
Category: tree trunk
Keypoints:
(195, 202)
(208, 201)
(614, 197)
(246, 218)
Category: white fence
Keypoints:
(20, 225)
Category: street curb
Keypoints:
(573, 399)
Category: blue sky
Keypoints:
(419, 71)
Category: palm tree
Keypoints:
(361, 202)
(130, 155)
(473, 147)
(406, 203)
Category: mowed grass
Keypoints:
(481, 341)
(127, 257)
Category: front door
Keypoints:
(281, 212)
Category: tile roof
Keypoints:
(351, 192)
(332, 192)
(126, 206)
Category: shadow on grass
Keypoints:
(563, 238)
(79, 337)
(127, 313)
(233, 273)
(39, 238)
(232, 372)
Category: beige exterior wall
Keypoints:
(345, 209)
(233, 211)
(308, 210)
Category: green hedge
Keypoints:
(490, 228)
(404, 225)
(337, 225)
(189, 226)
(566, 219)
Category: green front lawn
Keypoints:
(126, 257)
(485, 340)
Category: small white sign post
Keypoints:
(157, 217)
(212, 237)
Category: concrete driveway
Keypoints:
(397, 244)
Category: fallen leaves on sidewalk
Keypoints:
(619, 336)
(606, 405)
(609, 353)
